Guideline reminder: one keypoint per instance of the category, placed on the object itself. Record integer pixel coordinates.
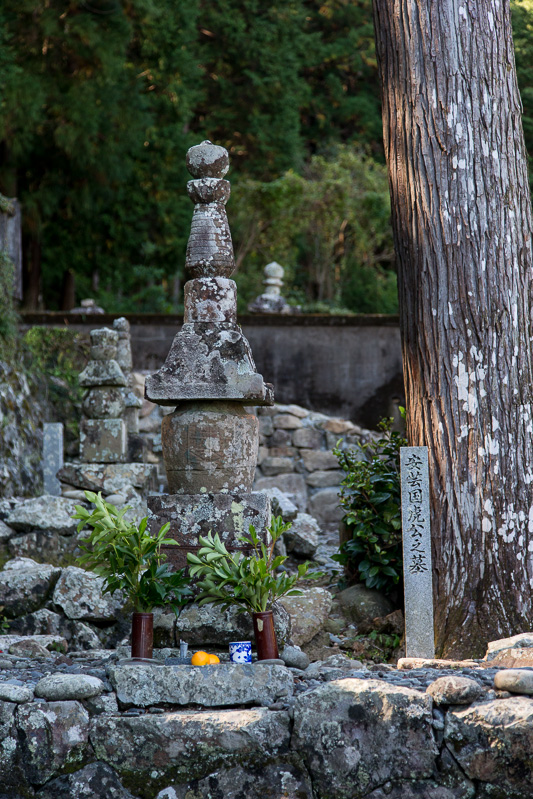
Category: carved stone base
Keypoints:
(191, 515)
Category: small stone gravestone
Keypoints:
(52, 457)
(418, 583)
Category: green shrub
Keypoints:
(370, 497)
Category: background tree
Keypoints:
(462, 228)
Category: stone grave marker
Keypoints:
(11, 239)
(418, 582)
(52, 457)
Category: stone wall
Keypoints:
(348, 366)
(91, 731)
(23, 410)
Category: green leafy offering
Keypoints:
(129, 558)
(248, 581)
(370, 497)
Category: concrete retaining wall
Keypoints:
(347, 366)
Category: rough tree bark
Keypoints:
(462, 224)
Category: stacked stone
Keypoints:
(210, 441)
(103, 432)
(132, 402)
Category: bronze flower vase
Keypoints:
(265, 635)
(142, 635)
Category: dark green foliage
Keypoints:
(370, 497)
(99, 102)
(8, 315)
(58, 355)
(522, 19)
(128, 558)
(248, 582)
(330, 227)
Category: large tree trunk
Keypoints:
(462, 224)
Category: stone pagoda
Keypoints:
(210, 441)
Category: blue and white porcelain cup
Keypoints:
(240, 652)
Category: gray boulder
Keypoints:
(516, 681)
(25, 586)
(492, 742)
(361, 604)
(308, 613)
(303, 537)
(95, 781)
(282, 781)
(343, 732)
(281, 503)
(454, 690)
(44, 513)
(522, 640)
(54, 738)
(68, 686)
(79, 595)
(210, 626)
(324, 506)
(294, 657)
(5, 532)
(188, 744)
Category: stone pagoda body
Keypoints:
(210, 441)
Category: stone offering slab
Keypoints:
(221, 685)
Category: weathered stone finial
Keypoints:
(210, 249)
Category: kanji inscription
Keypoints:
(418, 584)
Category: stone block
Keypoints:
(44, 545)
(48, 643)
(103, 440)
(79, 595)
(25, 589)
(266, 428)
(68, 686)
(291, 484)
(286, 421)
(280, 438)
(221, 685)
(276, 465)
(52, 457)
(324, 506)
(308, 438)
(303, 537)
(321, 479)
(44, 513)
(281, 504)
(339, 426)
(294, 410)
(179, 746)
(343, 732)
(319, 460)
(110, 478)
(191, 515)
(308, 613)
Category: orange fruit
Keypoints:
(200, 658)
(213, 659)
